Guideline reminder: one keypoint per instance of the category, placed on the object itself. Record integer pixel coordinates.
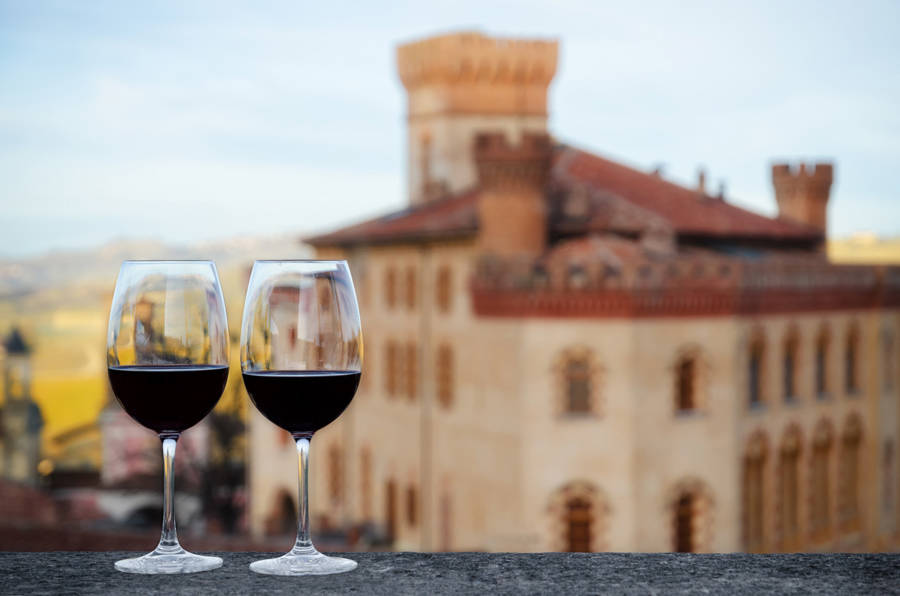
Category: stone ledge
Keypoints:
(474, 573)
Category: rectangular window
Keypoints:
(444, 289)
(685, 385)
(821, 515)
(411, 371)
(790, 391)
(754, 381)
(445, 375)
(411, 289)
(790, 502)
(390, 287)
(850, 377)
(821, 380)
(392, 368)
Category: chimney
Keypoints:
(701, 181)
(802, 193)
(512, 206)
(459, 85)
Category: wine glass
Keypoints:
(167, 356)
(301, 356)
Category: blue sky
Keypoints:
(190, 121)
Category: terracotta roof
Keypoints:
(686, 210)
(444, 218)
(628, 200)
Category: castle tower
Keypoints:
(459, 85)
(22, 421)
(512, 208)
(802, 193)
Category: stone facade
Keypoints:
(568, 354)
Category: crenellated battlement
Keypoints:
(819, 174)
(502, 164)
(802, 191)
(472, 57)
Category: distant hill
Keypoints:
(58, 268)
(60, 301)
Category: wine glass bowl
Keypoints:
(301, 357)
(167, 357)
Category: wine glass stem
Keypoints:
(303, 545)
(169, 539)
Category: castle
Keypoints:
(565, 353)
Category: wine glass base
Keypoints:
(169, 561)
(312, 563)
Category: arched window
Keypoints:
(851, 361)
(412, 371)
(365, 483)
(753, 491)
(444, 289)
(820, 482)
(887, 360)
(390, 287)
(282, 518)
(390, 505)
(690, 505)
(756, 370)
(578, 525)
(686, 384)
(412, 506)
(335, 478)
(411, 288)
(791, 348)
(444, 369)
(684, 524)
(823, 342)
(578, 511)
(848, 496)
(788, 503)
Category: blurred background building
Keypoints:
(562, 351)
(565, 353)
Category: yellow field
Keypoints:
(66, 329)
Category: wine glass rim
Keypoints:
(300, 261)
(150, 261)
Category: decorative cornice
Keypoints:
(745, 290)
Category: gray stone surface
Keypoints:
(473, 573)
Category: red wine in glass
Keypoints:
(301, 402)
(168, 399)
